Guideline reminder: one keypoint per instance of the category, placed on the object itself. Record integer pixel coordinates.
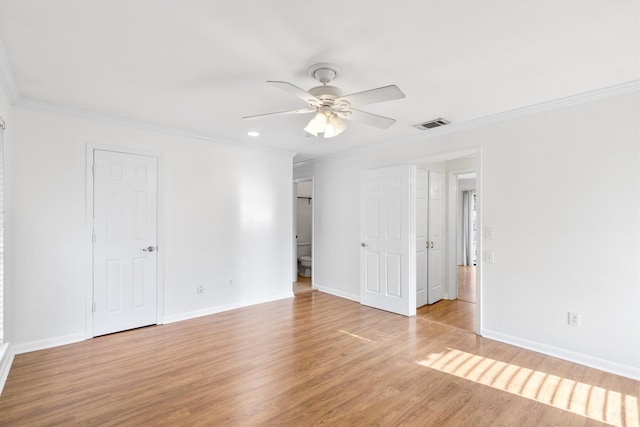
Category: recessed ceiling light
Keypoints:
(253, 133)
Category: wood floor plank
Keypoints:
(311, 360)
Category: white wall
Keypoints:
(561, 190)
(226, 213)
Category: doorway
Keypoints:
(466, 236)
(390, 238)
(460, 305)
(303, 236)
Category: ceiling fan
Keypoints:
(331, 107)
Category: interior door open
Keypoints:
(124, 241)
(387, 270)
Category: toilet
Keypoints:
(304, 266)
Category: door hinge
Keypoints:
(93, 169)
(93, 307)
(93, 237)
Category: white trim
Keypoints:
(6, 359)
(172, 318)
(294, 228)
(90, 148)
(6, 78)
(479, 242)
(303, 163)
(628, 371)
(581, 98)
(48, 343)
(337, 293)
(107, 118)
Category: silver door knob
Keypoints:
(149, 249)
(363, 244)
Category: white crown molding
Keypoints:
(107, 118)
(582, 98)
(6, 78)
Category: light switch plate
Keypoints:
(488, 233)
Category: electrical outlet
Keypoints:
(489, 256)
(201, 289)
(574, 319)
(230, 283)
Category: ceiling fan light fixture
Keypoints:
(311, 128)
(330, 107)
(325, 123)
(317, 124)
(335, 127)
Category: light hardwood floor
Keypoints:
(467, 283)
(302, 286)
(311, 360)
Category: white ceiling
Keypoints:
(199, 66)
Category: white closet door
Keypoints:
(436, 237)
(125, 241)
(422, 237)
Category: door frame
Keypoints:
(451, 239)
(90, 148)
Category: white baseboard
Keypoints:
(74, 338)
(628, 371)
(48, 343)
(336, 292)
(171, 318)
(6, 359)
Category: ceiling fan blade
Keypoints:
(381, 94)
(370, 119)
(281, 113)
(296, 91)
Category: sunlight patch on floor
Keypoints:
(589, 401)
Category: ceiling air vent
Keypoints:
(432, 124)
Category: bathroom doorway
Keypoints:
(303, 232)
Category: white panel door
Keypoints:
(386, 241)
(422, 237)
(125, 241)
(435, 269)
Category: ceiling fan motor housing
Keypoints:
(325, 91)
